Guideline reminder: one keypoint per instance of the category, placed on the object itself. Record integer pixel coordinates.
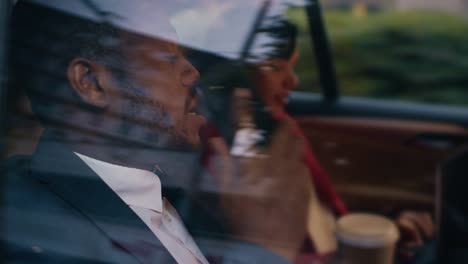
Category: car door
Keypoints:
(382, 149)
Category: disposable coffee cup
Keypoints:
(366, 239)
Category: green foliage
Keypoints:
(418, 56)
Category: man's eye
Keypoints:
(171, 57)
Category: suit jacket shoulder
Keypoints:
(56, 210)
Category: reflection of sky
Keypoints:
(218, 26)
(223, 28)
(147, 17)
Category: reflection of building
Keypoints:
(449, 5)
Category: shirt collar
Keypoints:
(135, 187)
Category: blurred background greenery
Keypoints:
(414, 55)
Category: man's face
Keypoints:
(158, 92)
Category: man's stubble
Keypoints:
(151, 118)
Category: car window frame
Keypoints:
(322, 50)
(5, 10)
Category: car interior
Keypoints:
(383, 155)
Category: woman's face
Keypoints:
(275, 79)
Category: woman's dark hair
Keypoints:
(282, 35)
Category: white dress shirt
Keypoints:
(141, 191)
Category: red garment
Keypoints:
(323, 185)
(325, 191)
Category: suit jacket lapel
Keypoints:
(70, 178)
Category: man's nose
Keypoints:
(190, 74)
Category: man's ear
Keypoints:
(88, 79)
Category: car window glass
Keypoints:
(210, 27)
(133, 128)
(410, 51)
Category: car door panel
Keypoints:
(379, 159)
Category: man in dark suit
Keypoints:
(115, 95)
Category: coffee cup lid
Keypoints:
(366, 230)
